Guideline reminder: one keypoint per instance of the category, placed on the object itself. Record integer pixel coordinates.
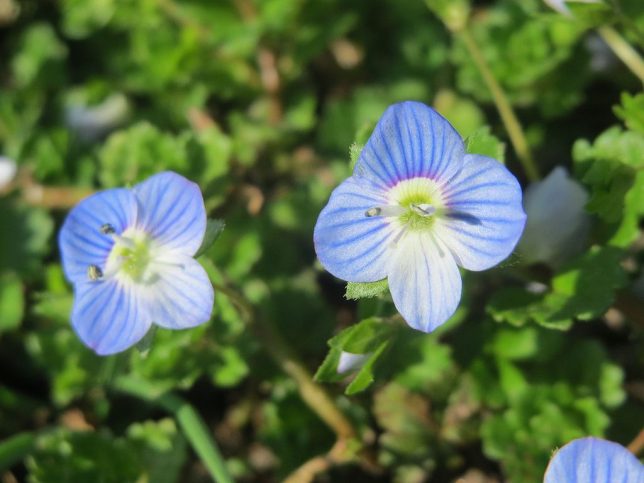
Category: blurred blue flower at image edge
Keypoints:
(594, 460)
(129, 254)
(415, 209)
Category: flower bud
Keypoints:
(557, 225)
(8, 171)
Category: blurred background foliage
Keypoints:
(259, 102)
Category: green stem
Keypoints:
(623, 50)
(312, 393)
(509, 118)
(14, 449)
(192, 425)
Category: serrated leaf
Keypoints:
(631, 111)
(483, 142)
(583, 289)
(590, 282)
(361, 290)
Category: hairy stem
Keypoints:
(508, 116)
(623, 50)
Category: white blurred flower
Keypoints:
(557, 224)
(93, 122)
(351, 362)
(561, 7)
(8, 171)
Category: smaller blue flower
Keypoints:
(415, 209)
(593, 460)
(129, 254)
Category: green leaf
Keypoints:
(365, 377)
(83, 456)
(483, 142)
(632, 111)
(354, 153)
(214, 227)
(161, 449)
(584, 289)
(370, 336)
(81, 18)
(40, 58)
(590, 282)
(11, 302)
(25, 237)
(361, 290)
(131, 155)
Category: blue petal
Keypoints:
(485, 218)
(424, 281)
(80, 239)
(594, 460)
(172, 211)
(109, 316)
(183, 296)
(349, 244)
(411, 140)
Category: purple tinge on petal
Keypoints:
(172, 211)
(182, 296)
(410, 140)
(593, 460)
(424, 281)
(349, 244)
(81, 242)
(109, 316)
(485, 217)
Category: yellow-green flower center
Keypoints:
(131, 255)
(135, 258)
(419, 200)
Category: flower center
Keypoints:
(414, 204)
(134, 256)
(130, 257)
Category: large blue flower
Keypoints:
(416, 207)
(593, 460)
(129, 254)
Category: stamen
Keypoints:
(127, 242)
(170, 264)
(107, 229)
(94, 273)
(387, 210)
(423, 209)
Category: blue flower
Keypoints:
(593, 460)
(129, 254)
(416, 207)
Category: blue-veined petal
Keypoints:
(411, 140)
(424, 281)
(172, 211)
(182, 296)
(109, 316)
(349, 244)
(593, 460)
(81, 242)
(485, 218)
